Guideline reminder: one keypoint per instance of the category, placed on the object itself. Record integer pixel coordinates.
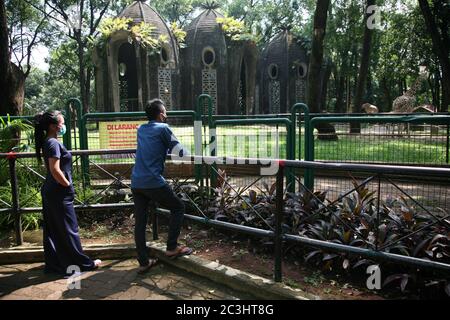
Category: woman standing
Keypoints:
(62, 246)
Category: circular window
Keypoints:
(208, 56)
(165, 57)
(273, 71)
(301, 70)
(122, 69)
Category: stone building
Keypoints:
(127, 74)
(282, 74)
(214, 64)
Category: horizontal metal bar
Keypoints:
(254, 121)
(381, 114)
(113, 115)
(388, 119)
(370, 168)
(320, 243)
(74, 153)
(369, 253)
(222, 224)
(260, 162)
(89, 207)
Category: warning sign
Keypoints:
(119, 135)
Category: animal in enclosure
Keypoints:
(369, 108)
(406, 103)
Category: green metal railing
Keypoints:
(67, 139)
(84, 138)
(296, 110)
(407, 121)
(348, 148)
(290, 135)
(200, 142)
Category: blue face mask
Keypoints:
(62, 130)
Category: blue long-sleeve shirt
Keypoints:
(154, 141)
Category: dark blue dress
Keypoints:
(62, 245)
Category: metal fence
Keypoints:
(364, 221)
(382, 139)
(402, 140)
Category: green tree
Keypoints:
(364, 65)
(436, 20)
(22, 28)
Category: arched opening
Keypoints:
(208, 56)
(301, 70)
(243, 89)
(165, 56)
(128, 81)
(273, 71)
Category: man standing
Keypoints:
(154, 141)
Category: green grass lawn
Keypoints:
(260, 141)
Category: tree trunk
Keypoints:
(12, 79)
(87, 104)
(437, 86)
(324, 89)
(363, 69)
(340, 95)
(349, 94)
(11, 98)
(387, 95)
(4, 45)
(83, 79)
(326, 131)
(441, 49)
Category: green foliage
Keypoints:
(354, 221)
(9, 133)
(180, 11)
(142, 33)
(60, 83)
(27, 28)
(111, 25)
(234, 29)
(178, 33)
(29, 186)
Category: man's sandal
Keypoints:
(179, 252)
(145, 269)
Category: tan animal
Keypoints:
(406, 102)
(369, 108)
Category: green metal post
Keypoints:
(15, 201)
(211, 126)
(67, 138)
(290, 153)
(298, 108)
(84, 146)
(309, 153)
(76, 103)
(277, 273)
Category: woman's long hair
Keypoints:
(41, 123)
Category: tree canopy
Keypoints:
(399, 45)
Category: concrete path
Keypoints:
(117, 279)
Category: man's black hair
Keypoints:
(153, 108)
